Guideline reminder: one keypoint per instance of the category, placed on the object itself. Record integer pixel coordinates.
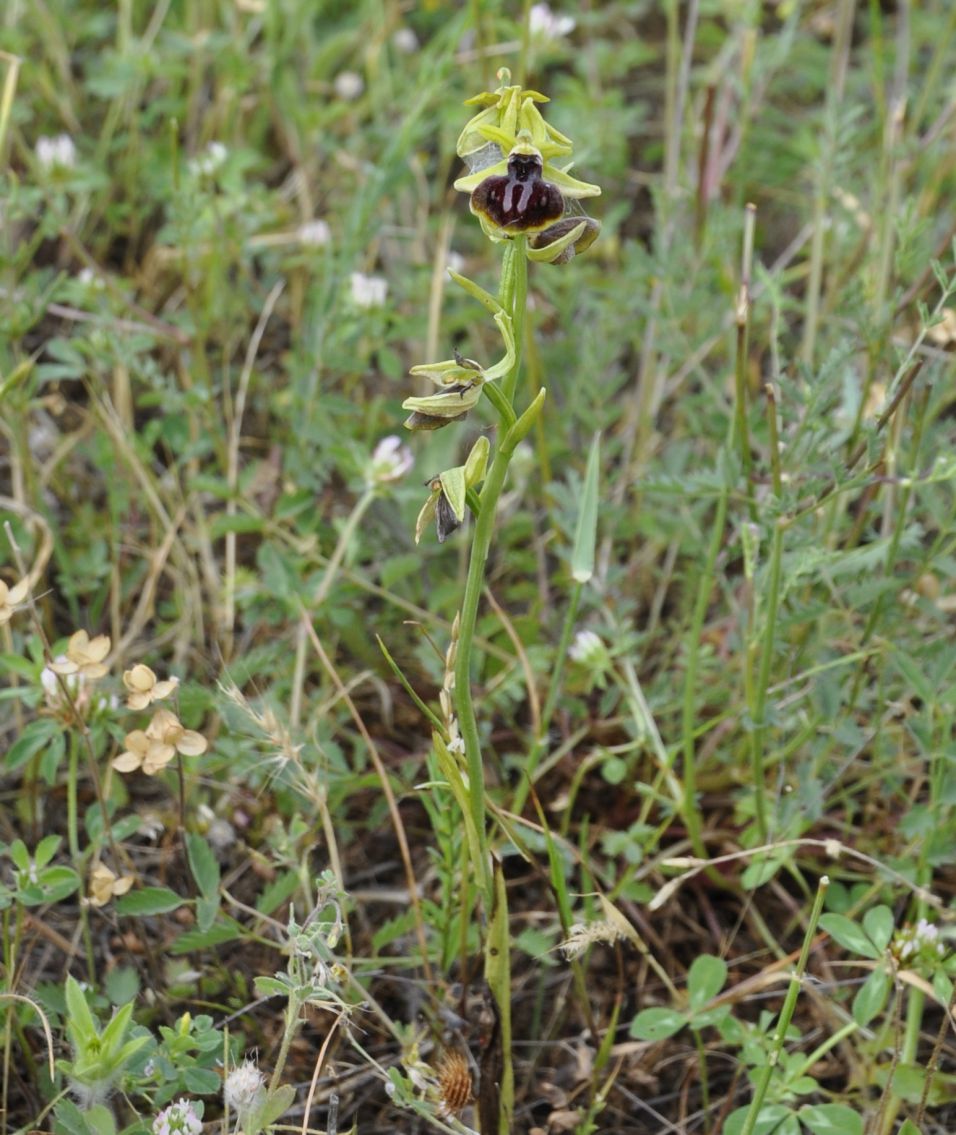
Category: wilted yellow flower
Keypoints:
(153, 748)
(144, 687)
(84, 656)
(11, 598)
(106, 884)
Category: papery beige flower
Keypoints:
(84, 656)
(167, 727)
(11, 598)
(153, 748)
(151, 754)
(144, 687)
(106, 884)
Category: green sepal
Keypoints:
(453, 486)
(447, 403)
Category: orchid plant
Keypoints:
(521, 192)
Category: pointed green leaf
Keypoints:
(80, 1021)
(486, 299)
(850, 936)
(520, 429)
(585, 534)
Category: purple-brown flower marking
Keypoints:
(521, 200)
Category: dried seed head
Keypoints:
(454, 1083)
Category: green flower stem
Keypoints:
(513, 298)
(464, 703)
(72, 814)
(786, 1014)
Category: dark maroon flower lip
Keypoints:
(521, 200)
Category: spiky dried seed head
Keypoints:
(454, 1083)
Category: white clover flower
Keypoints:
(56, 152)
(391, 460)
(455, 262)
(405, 41)
(588, 649)
(921, 942)
(314, 233)
(210, 161)
(244, 1089)
(348, 85)
(368, 291)
(547, 24)
(180, 1118)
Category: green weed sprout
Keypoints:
(100, 1057)
(520, 190)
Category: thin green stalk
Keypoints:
(550, 702)
(688, 713)
(786, 1014)
(742, 320)
(759, 707)
(72, 825)
(513, 298)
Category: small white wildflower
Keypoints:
(180, 1118)
(210, 161)
(405, 41)
(391, 460)
(314, 233)
(368, 291)
(56, 152)
(90, 279)
(244, 1089)
(588, 649)
(348, 85)
(547, 24)
(455, 262)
